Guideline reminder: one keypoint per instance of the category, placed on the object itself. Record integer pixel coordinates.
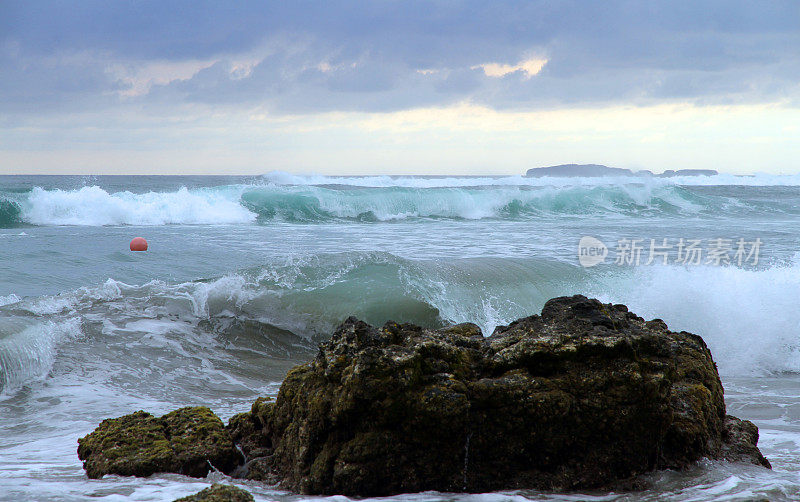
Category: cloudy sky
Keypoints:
(397, 87)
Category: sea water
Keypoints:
(244, 275)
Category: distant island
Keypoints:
(598, 170)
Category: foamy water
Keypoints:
(245, 275)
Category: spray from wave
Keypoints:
(749, 318)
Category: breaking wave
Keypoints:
(748, 317)
(245, 204)
(28, 349)
(10, 213)
(93, 206)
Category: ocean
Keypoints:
(245, 275)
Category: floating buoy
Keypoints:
(138, 244)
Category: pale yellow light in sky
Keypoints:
(460, 139)
(531, 67)
(141, 77)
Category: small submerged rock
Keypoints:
(219, 493)
(186, 441)
(739, 443)
(586, 395)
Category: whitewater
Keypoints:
(245, 275)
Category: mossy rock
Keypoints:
(219, 493)
(583, 396)
(186, 441)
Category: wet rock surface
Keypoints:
(219, 493)
(186, 441)
(586, 395)
(740, 440)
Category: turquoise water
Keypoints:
(245, 274)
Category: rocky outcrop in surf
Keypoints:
(585, 395)
(219, 493)
(187, 441)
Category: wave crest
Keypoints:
(93, 206)
(27, 351)
(10, 213)
(244, 204)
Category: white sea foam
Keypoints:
(8, 299)
(749, 318)
(94, 206)
(68, 301)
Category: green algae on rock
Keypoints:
(585, 395)
(219, 493)
(186, 441)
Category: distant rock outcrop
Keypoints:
(598, 170)
(578, 171)
(584, 396)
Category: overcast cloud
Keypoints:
(80, 81)
(306, 57)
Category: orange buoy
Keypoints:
(138, 244)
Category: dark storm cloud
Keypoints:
(384, 55)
